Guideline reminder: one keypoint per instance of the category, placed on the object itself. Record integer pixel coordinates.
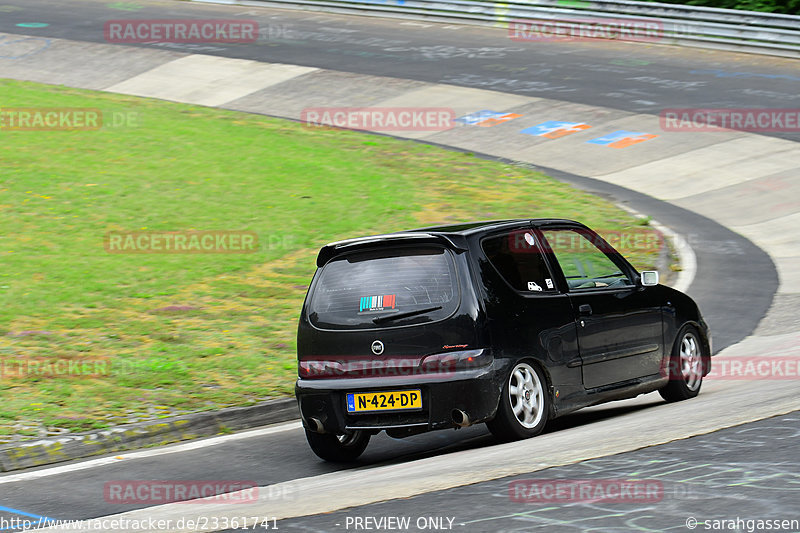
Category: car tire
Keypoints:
(338, 448)
(685, 366)
(524, 404)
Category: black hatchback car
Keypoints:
(510, 323)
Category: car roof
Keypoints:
(448, 234)
(488, 225)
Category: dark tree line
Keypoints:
(788, 7)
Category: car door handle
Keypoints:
(585, 310)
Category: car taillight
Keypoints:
(360, 367)
(449, 361)
(320, 369)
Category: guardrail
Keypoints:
(723, 29)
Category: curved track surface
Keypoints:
(718, 187)
(639, 78)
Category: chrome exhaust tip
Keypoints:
(316, 425)
(460, 418)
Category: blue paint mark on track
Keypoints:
(43, 44)
(622, 138)
(40, 520)
(478, 117)
(553, 129)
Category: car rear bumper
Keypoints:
(475, 392)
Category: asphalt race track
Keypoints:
(747, 470)
(633, 77)
(703, 477)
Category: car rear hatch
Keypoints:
(400, 307)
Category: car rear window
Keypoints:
(368, 289)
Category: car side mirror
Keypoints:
(649, 278)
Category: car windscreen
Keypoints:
(391, 287)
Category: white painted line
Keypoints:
(177, 448)
(686, 256)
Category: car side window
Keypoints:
(518, 258)
(582, 259)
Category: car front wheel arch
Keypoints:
(688, 363)
(706, 343)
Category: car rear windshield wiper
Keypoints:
(380, 319)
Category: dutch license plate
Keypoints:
(359, 402)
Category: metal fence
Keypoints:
(724, 29)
